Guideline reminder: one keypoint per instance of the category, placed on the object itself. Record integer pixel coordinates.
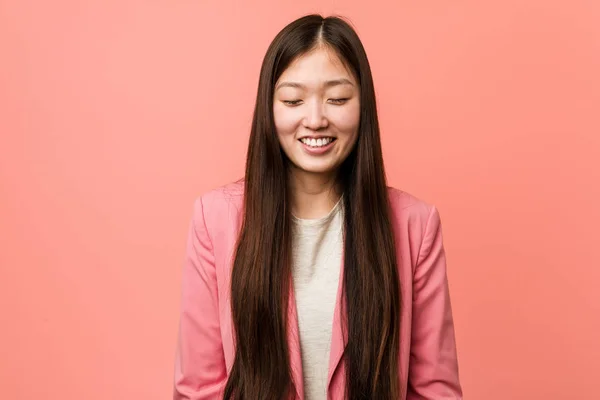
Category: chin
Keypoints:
(316, 169)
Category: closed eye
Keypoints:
(292, 102)
(338, 101)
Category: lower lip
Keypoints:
(317, 150)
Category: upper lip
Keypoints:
(316, 137)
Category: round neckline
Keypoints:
(321, 220)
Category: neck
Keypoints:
(313, 195)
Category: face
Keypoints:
(316, 108)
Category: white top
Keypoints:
(317, 248)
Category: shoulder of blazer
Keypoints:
(405, 204)
(412, 215)
(218, 205)
(221, 198)
(408, 212)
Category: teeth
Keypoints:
(316, 142)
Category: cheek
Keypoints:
(347, 119)
(286, 121)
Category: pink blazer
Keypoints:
(205, 350)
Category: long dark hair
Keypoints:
(261, 276)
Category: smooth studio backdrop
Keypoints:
(115, 115)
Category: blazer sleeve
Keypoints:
(433, 370)
(200, 372)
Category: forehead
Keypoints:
(318, 65)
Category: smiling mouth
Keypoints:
(316, 143)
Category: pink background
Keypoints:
(115, 115)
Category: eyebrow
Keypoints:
(333, 82)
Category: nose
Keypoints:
(315, 117)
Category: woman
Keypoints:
(310, 278)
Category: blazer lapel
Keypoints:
(338, 340)
(294, 346)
